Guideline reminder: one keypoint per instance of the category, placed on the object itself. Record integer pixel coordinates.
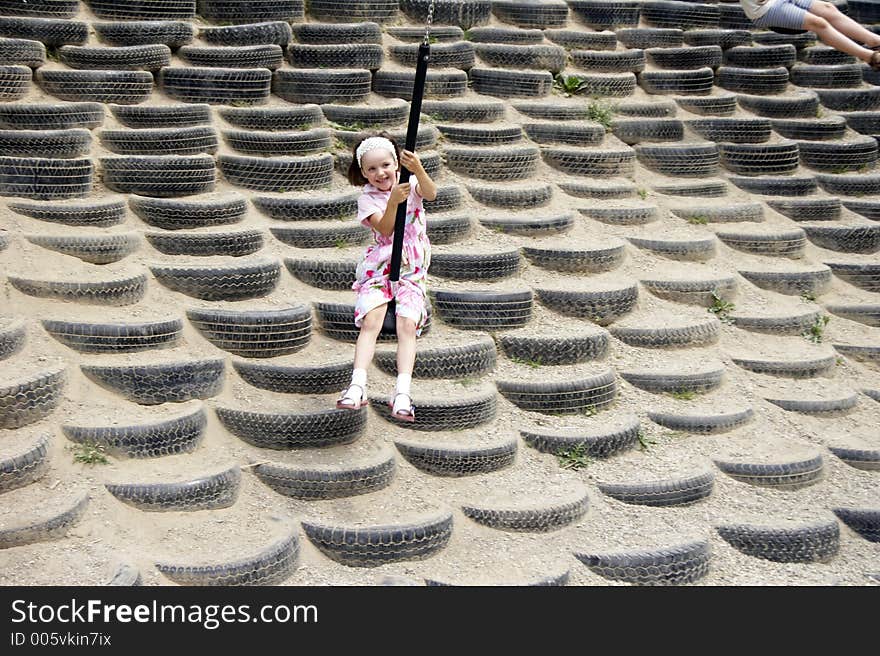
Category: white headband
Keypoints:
(373, 143)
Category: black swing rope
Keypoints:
(389, 325)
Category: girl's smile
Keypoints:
(379, 168)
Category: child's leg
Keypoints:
(843, 23)
(371, 325)
(406, 357)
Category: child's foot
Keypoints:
(874, 62)
(402, 407)
(352, 399)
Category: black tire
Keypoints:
(479, 135)
(12, 337)
(100, 214)
(826, 77)
(115, 338)
(867, 459)
(323, 86)
(467, 266)
(209, 492)
(483, 310)
(650, 37)
(444, 414)
(697, 334)
(864, 122)
(703, 424)
(600, 189)
(22, 52)
(761, 56)
(696, 82)
(464, 13)
(867, 208)
(685, 58)
(15, 82)
(662, 493)
(448, 229)
(786, 476)
(614, 85)
(542, 57)
(655, 108)
(549, 111)
(143, 10)
(801, 105)
(597, 442)
(161, 141)
(696, 250)
(156, 117)
(821, 407)
(49, 31)
(824, 56)
(532, 15)
(729, 213)
(555, 350)
(394, 113)
(27, 400)
(139, 33)
(594, 260)
(688, 160)
(504, 35)
(600, 307)
(816, 129)
(733, 17)
(682, 15)
(816, 542)
(121, 87)
(159, 176)
(426, 137)
(630, 214)
(182, 214)
(732, 130)
(120, 291)
(791, 185)
(725, 38)
(664, 382)
(440, 33)
(379, 11)
(564, 397)
(285, 431)
(272, 565)
(530, 225)
(570, 39)
(868, 353)
(216, 85)
(359, 55)
(695, 292)
(785, 243)
(24, 468)
(332, 275)
(513, 198)
(864, 313)
(310, 236)
(452, 462)
(532, 520)
(254, 34)
(277, 174)
(59, 8)
(470, 360)
(255, 334)
(307, 208)
(51, 117)
(252, 142)
(785, 325)
(609, 61)
(515, 163)
(52, 528)
(760, 159)
(320, 379)
(221, 283)
(45, 179)
(235, 11)
(605, 14)
(755, 81)
(371, 546)
(343, 33)
(856, 153)
(97, 249)
(269, 56)
(864, 521)
(722, 104)
(672, 565)
(638, 130)
(793, 283)
(698, 189)
(127, 58)
(846, 239)
(619, 162)
(506, 83)
(230, 244)
(61, 144)
(272, 118)
(803, 368)
(851, 100)
(327, 482)
(163, 383)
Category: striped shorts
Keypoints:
(785, 13)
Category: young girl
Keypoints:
(833, 27)
(376, 165)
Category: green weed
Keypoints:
(721, 308)
(683, 395)
(568, 85)
(816, 332)
(643, 193)
(645, 443)
(534, 364)
(601, 113)
(698, 219)
(89, 453)
(808, 297)
(574, 458)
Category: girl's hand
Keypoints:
(411, 161)
(399, 193)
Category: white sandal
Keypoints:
(349, 401)
(406, 413)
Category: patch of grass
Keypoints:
(568, 85)
(281, 190)
(808, 297)
(721, 308)
(241, 103)
(52, 53)
(590, 411)
(467, 36)
(643, 193)
(645, 443)
(534, 364)
(698, 219)
(574, 458)
(816, 332)
(838, 360)
(339, 242)
(683, 395)
(601, 113)
(355, 126)
(339, 144)
(89, 453)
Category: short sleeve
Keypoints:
(368, 205)
(414, 195)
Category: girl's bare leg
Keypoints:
(406, 358)
(831, 37)
(366, 342)
(844, 24)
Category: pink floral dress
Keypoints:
(372, 279)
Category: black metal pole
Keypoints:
(415, 110)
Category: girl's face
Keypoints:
(379, 168)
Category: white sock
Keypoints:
(359, 377)
(403, 383)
